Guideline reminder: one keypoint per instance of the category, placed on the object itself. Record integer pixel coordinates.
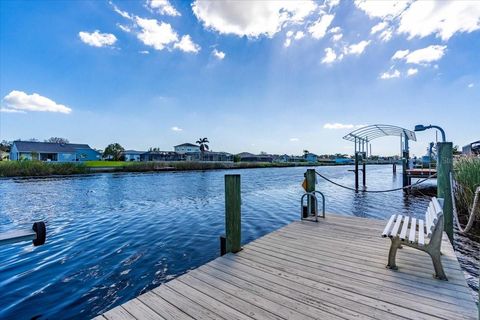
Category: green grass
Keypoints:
(107, 164)
(38, 168)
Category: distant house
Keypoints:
(132, 155)
(55, 152)
(311, 157)
(209, 156)
(186, 147)
(344, 161)
(161, 156)
(250, 157)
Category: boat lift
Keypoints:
(362, 138)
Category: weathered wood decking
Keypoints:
(333, 269)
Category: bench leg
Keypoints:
(392, 253)
(437, 265)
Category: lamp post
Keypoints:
(444, 167)
(421, 127)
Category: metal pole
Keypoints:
(310, 177)
(444, 167)
(232, 213)
(405, 161)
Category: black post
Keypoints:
(232, 213)
(364, 171)
(356, 171)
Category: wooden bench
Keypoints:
(424, 235)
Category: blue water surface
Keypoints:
(114, 236)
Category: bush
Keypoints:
(39, 168)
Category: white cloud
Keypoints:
(97, 39)
(20, 101)
(337, 126)
(442, 18)
(357, 48)
(176, 129)
(299, 35)
(421, 56)
(220, 55)
(6, 110)
(319, 28)
(412, 71)
(378, 27)
(382, 9)
(155, 34)
(386, 35)
(330, 56)
(251, 18)
(400, 54)
(470, 85)
(120, 12)
(287, 42)
(187, 45)
(337, 37)
(390, 74)
(124, 28)
(294, 139)
(332, 3)
(144, 52)
(163, 7)
(335, 30)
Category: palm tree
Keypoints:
(203, 145)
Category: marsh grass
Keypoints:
(39, 168)
(467, 176)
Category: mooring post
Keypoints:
(394, 168)
(232, 213)
(310, 178)
(364, 172)
(444, 167)
(356, 171)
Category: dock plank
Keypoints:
(333, 269)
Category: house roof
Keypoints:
(133, 152)
(48, 147)
(186, 145)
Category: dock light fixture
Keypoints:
(421, 127)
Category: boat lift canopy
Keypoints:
(375, 131)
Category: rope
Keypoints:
(375, 191)
(471, 217)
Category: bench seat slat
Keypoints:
(403, 234)
(421, 232)
(413, 230)
(396, 226)
(386, 231)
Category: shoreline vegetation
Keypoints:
(12, 169)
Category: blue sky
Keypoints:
(251, 76)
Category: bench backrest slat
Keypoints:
(413, 230)
(421, 233)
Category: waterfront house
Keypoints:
(209, 156)
(186, 147)
(162, 156)
(311, 157)
(250, 157)
(132, 155)
(54, 152)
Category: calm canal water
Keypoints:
(111, 237)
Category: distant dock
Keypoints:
(333, 269)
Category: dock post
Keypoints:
(356, 171)
(394, 168)
(232, 213)
(444, 167)
(364, 172)
(310, 177)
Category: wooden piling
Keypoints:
(444, 167)
(364, 172)
(356, 171)
(232, 213)
(310, 177)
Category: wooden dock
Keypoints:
(333, 269)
